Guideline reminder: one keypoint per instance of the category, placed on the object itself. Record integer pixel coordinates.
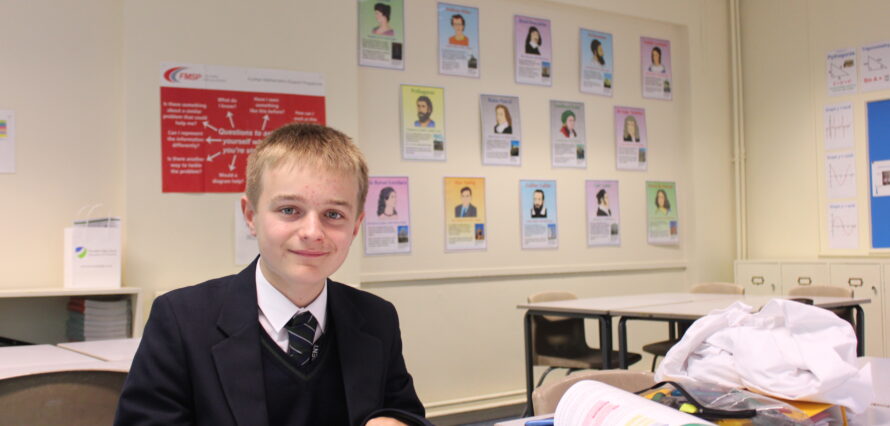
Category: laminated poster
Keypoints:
(537, 213)
(212, 118)
(663, 218)
(465, 214)
(568, 135)
(423, 123)
(387, 216)
(596, 63)
(655, 64)
(603, 214)
(532, 51)
(874, 67)
(381, 33)
(837, 122)
(458, 40)
(631, 139)
(843, 226)
(501, 130)
(7, 141)
(840, 72)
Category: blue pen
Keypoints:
(541, 422)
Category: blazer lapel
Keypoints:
(361, 356)
(238, 358)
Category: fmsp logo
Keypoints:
(179, 74)
(80, 252)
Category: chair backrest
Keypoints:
(546, 397)
(555, 336)
(821, 290)
(721, 288)
(62, 397)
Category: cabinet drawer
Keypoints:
(804, 274)
(758, 278)
(865, 281)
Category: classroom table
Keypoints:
(694, 310)
(34, 359)
(657, 307)
(105, 350)
(595, 308)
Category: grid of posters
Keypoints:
(655, 64)
(568, 137)
(387, 216)
(465, 214)
(663, 219)
(458, 40)
(631, 138)
(596, 62)
(212, 117)
(840, 72)
(838, 125)
(537, 213)
(532, 51)
(501, 130)
(874, 68)
(7, 141)
(381, 33)
(423, 123)
(603, 216)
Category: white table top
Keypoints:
(105, 350)
(32, 359)
(604, 305)
(700, 308)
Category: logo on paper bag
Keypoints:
(80, 252)
(179, 74)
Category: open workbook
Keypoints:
(589, 403)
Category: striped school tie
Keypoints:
(301, 332)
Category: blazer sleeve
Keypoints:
(400, 399)
(157, 389)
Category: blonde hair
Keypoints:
(307, 144)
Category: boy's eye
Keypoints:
(334, 215)
(288, 210)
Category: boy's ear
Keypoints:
(358, 224)
(248, 210)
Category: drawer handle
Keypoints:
(804, 280)
(855, 282)
(757, 280)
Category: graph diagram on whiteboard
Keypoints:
(838, 125)
(840, 174)
(843, 226)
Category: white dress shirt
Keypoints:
(275, 310)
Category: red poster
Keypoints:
(213, 117)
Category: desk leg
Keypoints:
(606, 341)
(529, 369)
(860, 330)
(622, 343)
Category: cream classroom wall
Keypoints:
(61, 76)
(108, 92)
(469, 298)
(785, 45)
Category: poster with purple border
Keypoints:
(655, 65)
(631, 139)
(603, 214)
(387, 216)
(532, 52)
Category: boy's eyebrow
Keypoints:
(295, 197)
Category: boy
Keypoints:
(279, 343)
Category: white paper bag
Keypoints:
(92, 257)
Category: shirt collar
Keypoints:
(278, 309)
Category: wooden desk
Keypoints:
(105, 350)
(32, 359)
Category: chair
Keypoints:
(559, 342)
(63, 397)
(546, 398)
(827, 291)
(676, 329)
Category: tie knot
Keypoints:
(301, 318)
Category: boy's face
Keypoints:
(304, 222)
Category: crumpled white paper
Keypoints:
(788, 350)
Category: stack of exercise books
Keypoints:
(98, 319)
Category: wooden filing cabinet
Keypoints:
(798, 274)
(865, 280)
(759, 278)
